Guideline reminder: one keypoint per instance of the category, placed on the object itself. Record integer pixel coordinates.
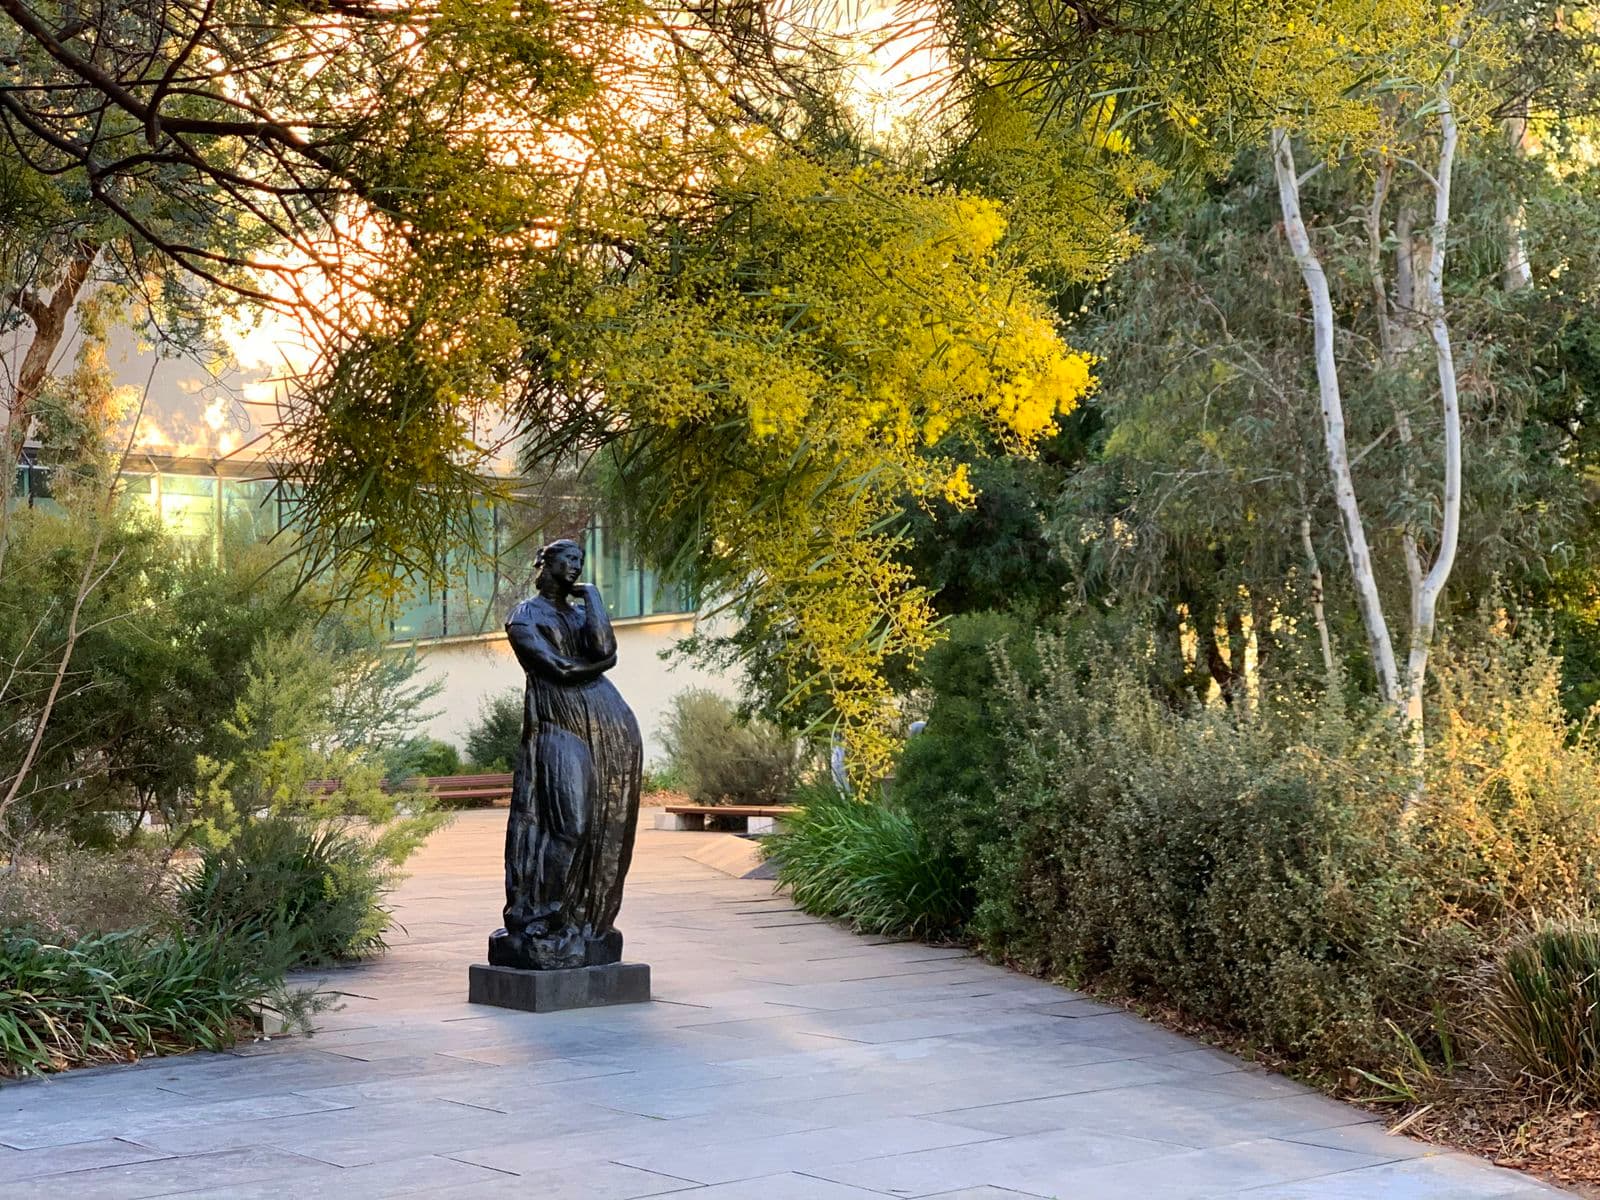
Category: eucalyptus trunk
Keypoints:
(1398, 333)
(1362, 571)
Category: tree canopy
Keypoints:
(659, 243)
(619, 228)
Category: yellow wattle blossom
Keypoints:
(823, 354)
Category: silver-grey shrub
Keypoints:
(723, 759)
(1260, 872)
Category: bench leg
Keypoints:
(681, 822)
(761, 825)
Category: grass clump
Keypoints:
(868, 864)
(115, 997)
(1543, 1009)
(312, 891)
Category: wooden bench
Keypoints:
(466, 789)
(456, 789)
(752, 818)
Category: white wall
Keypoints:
(474, 668)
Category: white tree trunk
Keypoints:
(1379, 641)
(1517, 273)
(1432, 586)
(1314, 568)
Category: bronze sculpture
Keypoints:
(575, 787)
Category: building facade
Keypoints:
(455, 623)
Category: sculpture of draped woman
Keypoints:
(575, 785)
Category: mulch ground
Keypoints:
(1557, 1142)
(662, 798)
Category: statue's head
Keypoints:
(558, 566)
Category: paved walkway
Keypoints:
(783, 1060)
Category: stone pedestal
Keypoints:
(548, 991)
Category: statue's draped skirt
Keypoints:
(574, 803)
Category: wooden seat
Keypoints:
(752, 818)
(480, 789)
(458, 789)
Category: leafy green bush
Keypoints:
(310, 891)
(494, 738)
(661, 777)
(168, 645)
(868, 864)
(118, 996)
(1511, 828)
(1266, 872)
(948, 773)
(724, 760)
(1543, 1009)
(422, 756)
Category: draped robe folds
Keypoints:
(574, 792)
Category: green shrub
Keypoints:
(493, 740)
(661, 777)
(948, 773)
(312, 892)
(725, 760)
(122, 995)
(170, 645)
(1511, 827)
(422, 756)
(868, 864)
(1263, 872)
(1543, 1010)
(1250, 874)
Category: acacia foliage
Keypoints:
(796, 370)
(592, 227)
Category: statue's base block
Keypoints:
(550, 991)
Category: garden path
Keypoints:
(783, 1059)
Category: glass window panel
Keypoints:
(470, 601)
(40, 493)
(418, 612)
(483, 613)
(288, 506)
(664, 597)
(138, 491)
(517, 538)
(189, 507)
(614, 572)
(250, 509)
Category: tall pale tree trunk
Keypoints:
(1431, 588)
(1517, 273)
(1362, 571)
(1314, 578)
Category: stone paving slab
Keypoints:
(782, 1059)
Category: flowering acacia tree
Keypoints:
(795, 370)
(569, 227)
